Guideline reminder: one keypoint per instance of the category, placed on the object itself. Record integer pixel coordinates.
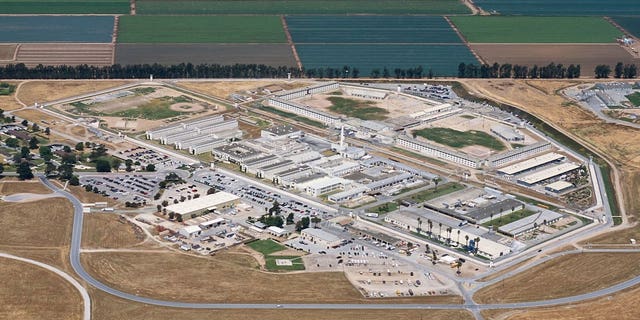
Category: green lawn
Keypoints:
(498, 221)
(634, 98)
(460, 139)
(297, 263)
(384, 208)
(293, 116)
(201, 29)
(364, 110)
(521, 29)
(301, 7)
(155, 109)
(266, 247)
(6, 89)
(434, 193)
(64, 6)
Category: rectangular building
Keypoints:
(205, 204)
(531, 164)
(321, 238)
(548, 173)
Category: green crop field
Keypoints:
(356, 108)
(560, 8)
(64, 6)
(631, 24)
(266, 247)
(460, 139)
(201, 29)
(503, 29)
(6, 89)
(499, 221)
(300, 7)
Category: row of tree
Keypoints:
(621, 70)
(550, 71)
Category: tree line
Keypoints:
(621, 70)
(507, 70)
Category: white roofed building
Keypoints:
(205, 204)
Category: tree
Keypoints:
(159, 208)
(33, 143)
(436, 181)
(419, 224)
(24, 171)
(128, 163)
(466, 240)
(275, 209)
(35, 127)
(25, 153)
(1, 169)
(165, 203)
(80, 146)
(12, 142)
(103, 165)
(88, 188)
(74, 181)
(315, 221)
(150, 167)
(211, 190)
(45, 153)
(617, 71)
(290, 218)
(430, 223)
(630, 71)
(439, 230)
(458, 240)
(602, 71)
(47, 131)
(66, 171)
(98, 151)
(477, 244)
(302, 224)
(25, 123)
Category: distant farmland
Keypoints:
(375, 42)
(18, 29)
(502, 29)
(201, 29)
(631, 24)
(64, 6)
(560, 8)
(300, 7)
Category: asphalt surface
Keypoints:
(76, 239)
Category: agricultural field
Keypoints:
(443, 60)
(376, 42)
(631, 24)
(273, 54)
(201, 29)
(64, 6)
(588, 56)
(300, 7)
(501, 29)
(371, 29)
(555, 8)
(361, 109)
(53, 54)
(460, 139)
(21, 29)
(7, 51)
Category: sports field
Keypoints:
(460, 139)
(266, 247)
(300, 7)
(631, 24)
(201, 29)
(442, 59)
(64, 6)
(560, 8)
(17, 29)
(365, 110)
(501, 29)
(371, 29)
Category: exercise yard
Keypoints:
(361, 109)
(460, 139)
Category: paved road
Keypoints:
(468, 305)
(83, 292)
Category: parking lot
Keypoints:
(147, 156)
(135, 188)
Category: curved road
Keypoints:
(83, 292)
(468, 305)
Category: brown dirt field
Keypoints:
(237, 280)
(7, 51)
(107, 230)
(34, 115)
(621, 306)
(586, 55)
(54, 54)
(564, 276)
(224, 89)
(13, 187)
(108, 307)
(31, 292)
(507, 270)
(42, 91)
(8, 103)
(45, 223)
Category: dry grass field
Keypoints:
(42, 91)
(13, 187)
(7, 51)
(621, 306)
(107, 307)
(90, 197)
(9, 102)
(224, 89)
(507, 270)
(234, 277)
(107, 230)
(31, 292)
(564, 276)
(44, 223)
